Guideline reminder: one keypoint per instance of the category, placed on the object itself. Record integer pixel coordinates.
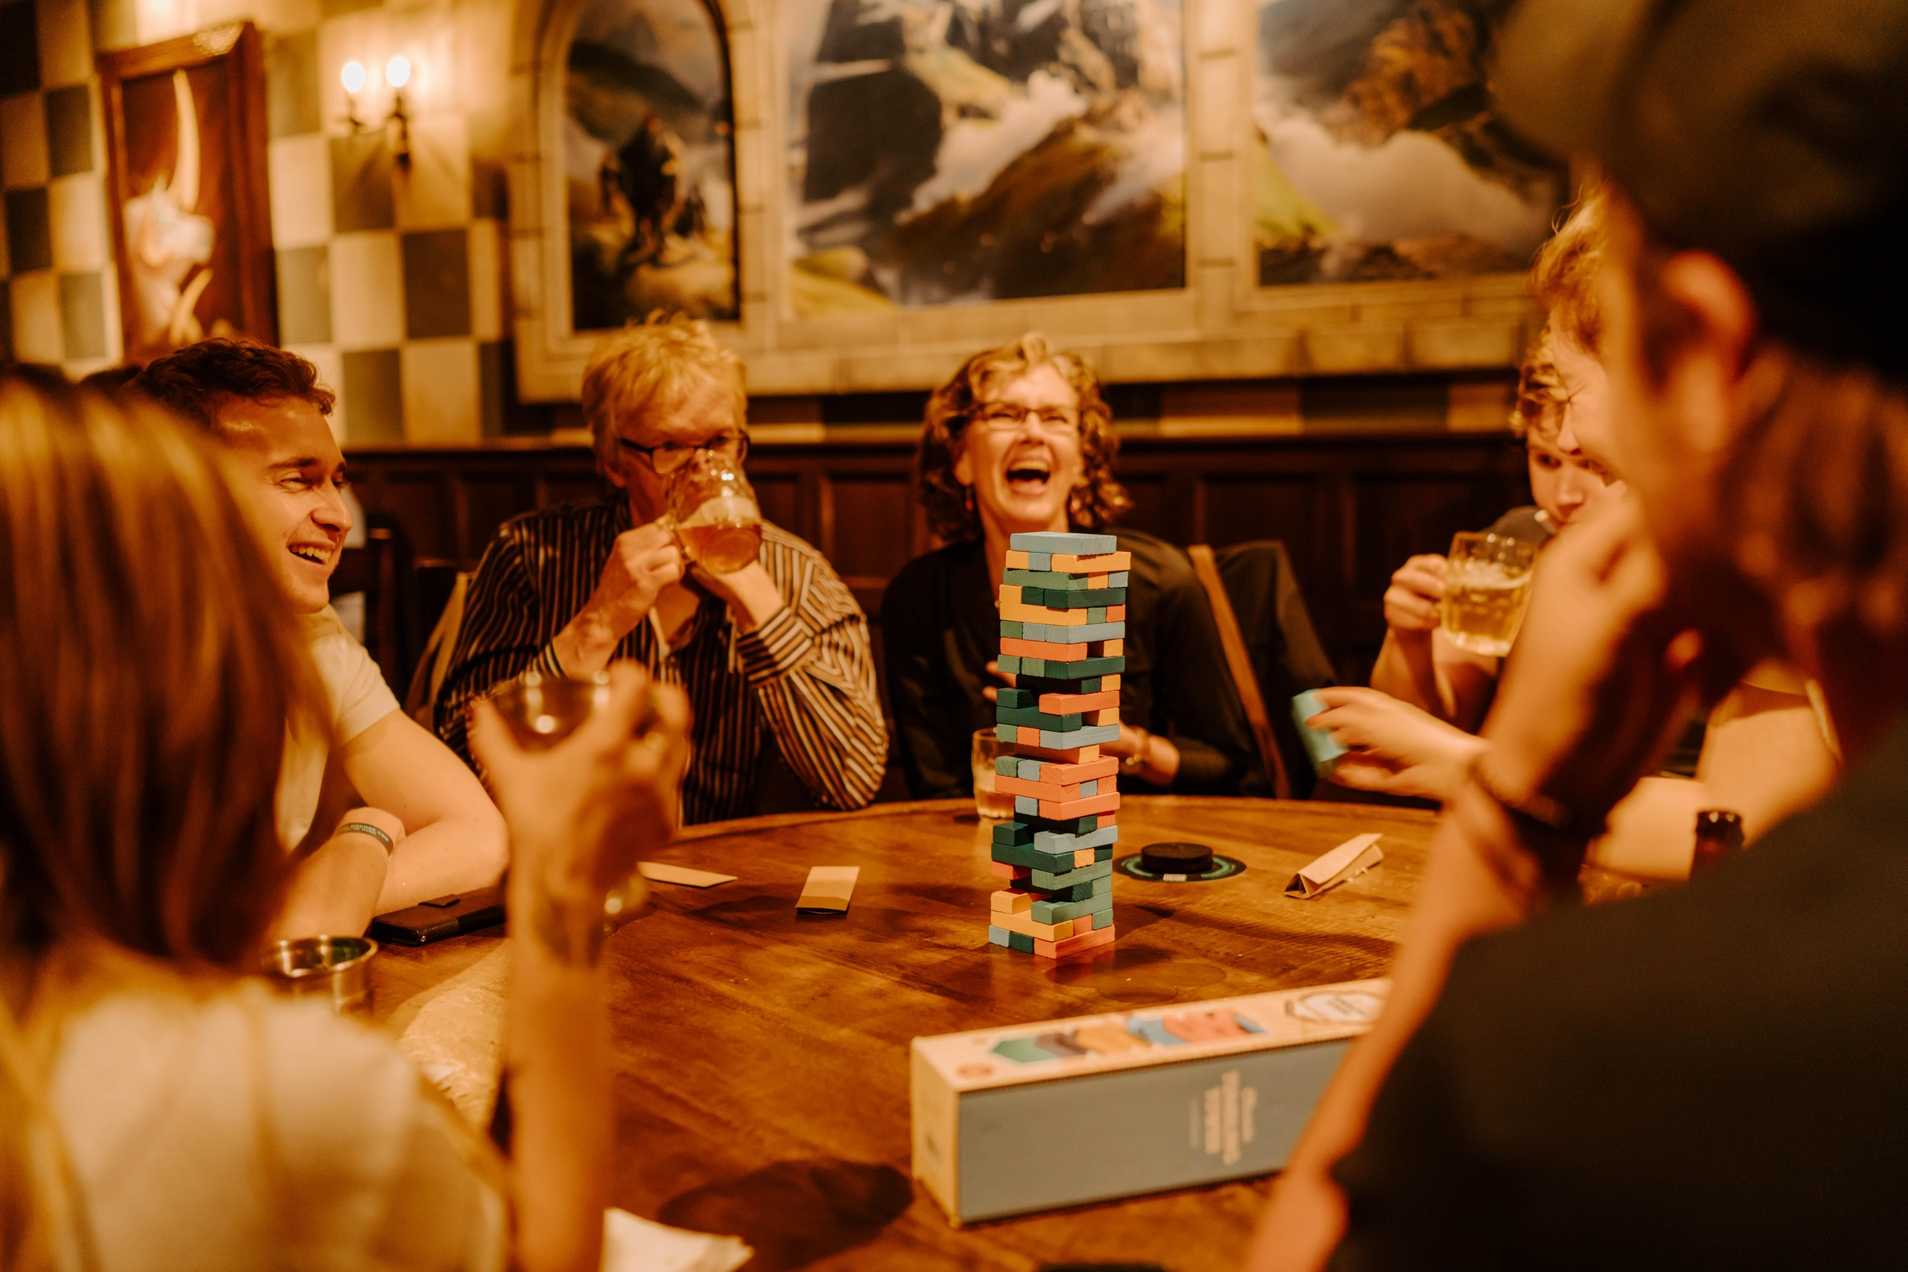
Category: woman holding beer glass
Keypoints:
(676, 570)
(1768, 749)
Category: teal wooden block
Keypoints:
(1084, 597)
(1010, 664)
(1117, 578)
(1061, 911)
(1069, 674)
(1040, 560)
(1017, 698)
(1065, 543)
(1012, 629)
(1079, 635)
(1078, 892)
(1006, 732)
(1027, 804)
(1032, 857)
(1007, 766)
(1020, 942)
(1092, 735)
(1047, 880)
(1049, 580)
(1049, 841)
(1089, 788)
(1097, 614)
(1014, 832)
(1033, 718)
(998, 935)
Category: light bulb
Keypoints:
(397, 71)
(351, 75)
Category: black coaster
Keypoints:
(1178, 863)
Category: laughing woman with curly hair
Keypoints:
(1018, 441)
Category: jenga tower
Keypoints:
(1062, 636)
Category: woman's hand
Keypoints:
(583, 812)
(1393, 746)
(1411, 602)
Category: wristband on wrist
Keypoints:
(366, 828)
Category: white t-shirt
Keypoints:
(236, 1129)
(356, 697)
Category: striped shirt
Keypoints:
(803, 681)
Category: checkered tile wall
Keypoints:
(391, 281)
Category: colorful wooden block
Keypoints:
(997, 936)
(1007, 766)
(1005, 902)
(1076, 755)
(1049, 841)
(1064, 541)
(1089, 788)
(1007, 870)
(1046, 651)
(1009, 665)
(1020, 942)
(1095, 903)
(1078, 945)
(1077, 598)
(1043, 614)
(1107, 803)
(1087, 735)
(1038, 931)
(1054, 773)
(1062, 703)
(1035, 718)
(1016, 698)
(1033, 561)
(1067, 635)
(1116, 613)
(1010, 594)
(1013, 832)
(1049, 880)
(1086, 562)
(1074, 892)
(1053, 791)
(1046, 580)
(1017, 630)
(1117, 579)
(1109, 648)
(1109, 716)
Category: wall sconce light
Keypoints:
(397, 73)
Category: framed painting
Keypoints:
(1376, 155)
(186, 189)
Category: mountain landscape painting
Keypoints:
(649, 163)
(955, 152)
(1375, 153)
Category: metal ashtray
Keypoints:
(336, 968)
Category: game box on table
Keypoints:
(1063, 1112)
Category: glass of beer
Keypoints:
(714, 513)
(1486, 588)
(989, 802)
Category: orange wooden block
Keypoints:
(1059, 755)
(1018, 561)
(1038, 790)
(1068, 703)
(1099, 580)
(1038, 931)
(1059, 774)
(1025, 733)
(1007, 871)
(1082, 856)
(1110, 682)
(1042, 649)
(1056, 810)
(1010, 595)
(1107, 648)
(1015, 612)
(1104, 563)
(1110, 715)
(1078, 944)
(1010, 902)
(1116, 613)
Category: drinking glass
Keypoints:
(988, 801)
(1486, 589)
(714, 514)
(543, 710)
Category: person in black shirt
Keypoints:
(1020, 440)
(1709, 1076)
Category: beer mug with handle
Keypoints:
(714, 514)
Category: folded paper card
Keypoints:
(828, 889)
(662, 872)
(1347, 861)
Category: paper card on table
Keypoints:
(828, 889)
(1345, 862)
(663, 872)
(633, 1244)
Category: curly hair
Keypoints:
(1092, 505)
(647, 366)
(1564, 282)
(194, 382)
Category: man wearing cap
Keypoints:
(1708, 1076)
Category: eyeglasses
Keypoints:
(670, 456)
(1000, 417)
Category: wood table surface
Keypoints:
(762, 1056)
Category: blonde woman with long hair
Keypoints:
(156, 1111)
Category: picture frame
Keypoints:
(1223, 323)
(187, 189)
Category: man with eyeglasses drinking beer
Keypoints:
(768, 647)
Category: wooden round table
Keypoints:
(762, 1055)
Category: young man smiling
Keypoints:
(425, 827)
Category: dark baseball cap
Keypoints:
(1773, 133)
